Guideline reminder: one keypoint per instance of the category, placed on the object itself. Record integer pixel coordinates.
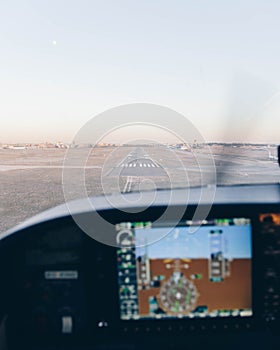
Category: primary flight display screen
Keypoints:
(192, 270)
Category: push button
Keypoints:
(67, 325)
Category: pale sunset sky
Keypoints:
(216, 62)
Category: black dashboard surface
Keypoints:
(61, 288)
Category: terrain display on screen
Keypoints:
(188, 271)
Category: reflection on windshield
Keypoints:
(31, 176)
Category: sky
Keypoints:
(63, 62)
(179, 243)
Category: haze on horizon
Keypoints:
(63, 62)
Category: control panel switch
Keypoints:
(67, 325)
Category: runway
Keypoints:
(31, 180)
(138, 163)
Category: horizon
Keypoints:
(109, 143)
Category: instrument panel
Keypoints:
(186, 278)
(188, 270)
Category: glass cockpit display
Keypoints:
(186, 271)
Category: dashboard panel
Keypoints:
(170, 282)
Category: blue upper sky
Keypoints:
(180, 243)
(215, 62)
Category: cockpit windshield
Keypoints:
(115, 97)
